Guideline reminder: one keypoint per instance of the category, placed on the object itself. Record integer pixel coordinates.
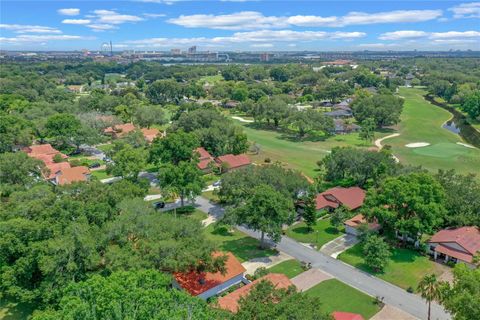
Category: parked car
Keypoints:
(159, 205)
(217, 183)
(94, 165)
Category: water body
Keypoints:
(451, 126)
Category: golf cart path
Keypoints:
(378, 144)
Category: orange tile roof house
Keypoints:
(119, 130)
(208, 284)
(456, 244)
(150, 134)
(351, 225)
(45, 153)
(70, 175)
(337, 315)
(233, 162)
(351, 198)
(205, 159)
(231, 300)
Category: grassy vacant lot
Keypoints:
(290, 268)
(323, 232)
(422, 122)
(300, 155)
(241, 245)
(337, 296)
(405, 267)
(15, 311)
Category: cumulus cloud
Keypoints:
(256, 20)
(404, 34)
(262, 45)
(28, 38)
(411, 34)
(466, 10)
(113, 17)
(97, 27)
(23, 28)
(69, 11)
(76, 21)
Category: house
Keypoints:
(231, 104)
(232, 162)
(151, 134)
(342, 128)
(456, 244)
(208, 284)
(351, 225)
(352, 198)
(339, 113)
(42, 149)
(119, 130)
(337, 315)
(205, 159)
(231, 300)
(71, 174)
(46, 153)
(75, 88)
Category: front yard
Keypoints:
(405, 267)
(322, 233)
(337, 296)
(290, 268)
(238, 243)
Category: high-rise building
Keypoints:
(175, 51)
(192, 50)
(265, 57)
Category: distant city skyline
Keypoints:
(230, 25)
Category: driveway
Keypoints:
(393, 295)
(309, 279)
(338, 245)
(265, 262)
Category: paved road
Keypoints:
(363, 281)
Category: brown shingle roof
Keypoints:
(360, 219)
(70, 175)
(467, 237)
(198, 282)
(352, 198)
(234, 161)
(230, 301)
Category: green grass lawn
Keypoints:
(300, 155)
(422, 122)
(15, 311)
(323, 232)
(337, 296)
(210, 79)
(241, 245)
(405, 267)
(290, 268)
(210, 196)
(100, 174)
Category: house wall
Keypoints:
(222, 287)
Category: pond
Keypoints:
(451, 126)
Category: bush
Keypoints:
(268, 160)
(260, 272)
(410, 290)
(58, 158)
(75, 163)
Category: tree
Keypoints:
(265, 302)
(184, 178)
(148, 115)
(461, 298)
(333, 90)
(175, 147)
(367, 131)
(310, 120)
(472, 105)
(309, 214)
(339, 215)
(376, 252)
(430, 289)
(163, 91)
(142, 294)
(128, 162)
(266, 210)
(63, 128)
(19, 169)
(410, 204)
(279, 73)
(14, 131)
(384, 109)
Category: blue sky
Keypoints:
(240, 25)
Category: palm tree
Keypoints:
(429, 288)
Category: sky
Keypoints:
(229, 25)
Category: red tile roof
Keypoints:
(70, 175)
(234, 161)
(360, 219)
(352, 198)
(41, 149)
(467, 237)
(150, 134)
(337, 315)
(231, 300)
(198, 282)
(205, 158)
(54, 168)
(454, 253)
(120, 129)
(45, 153)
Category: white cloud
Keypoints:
(69, 11)
(262, 45)
(29, 38)
(154, 15)
(23, 28)
(113, 17)
(235, 21)
(455, 34)
(76, 21)
(404, 34)
(101, 27)
(466, 10)
(247, 20)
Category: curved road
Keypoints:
(354, 277)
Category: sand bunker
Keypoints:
(417, 144)
(242, 119)
(466, 145)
